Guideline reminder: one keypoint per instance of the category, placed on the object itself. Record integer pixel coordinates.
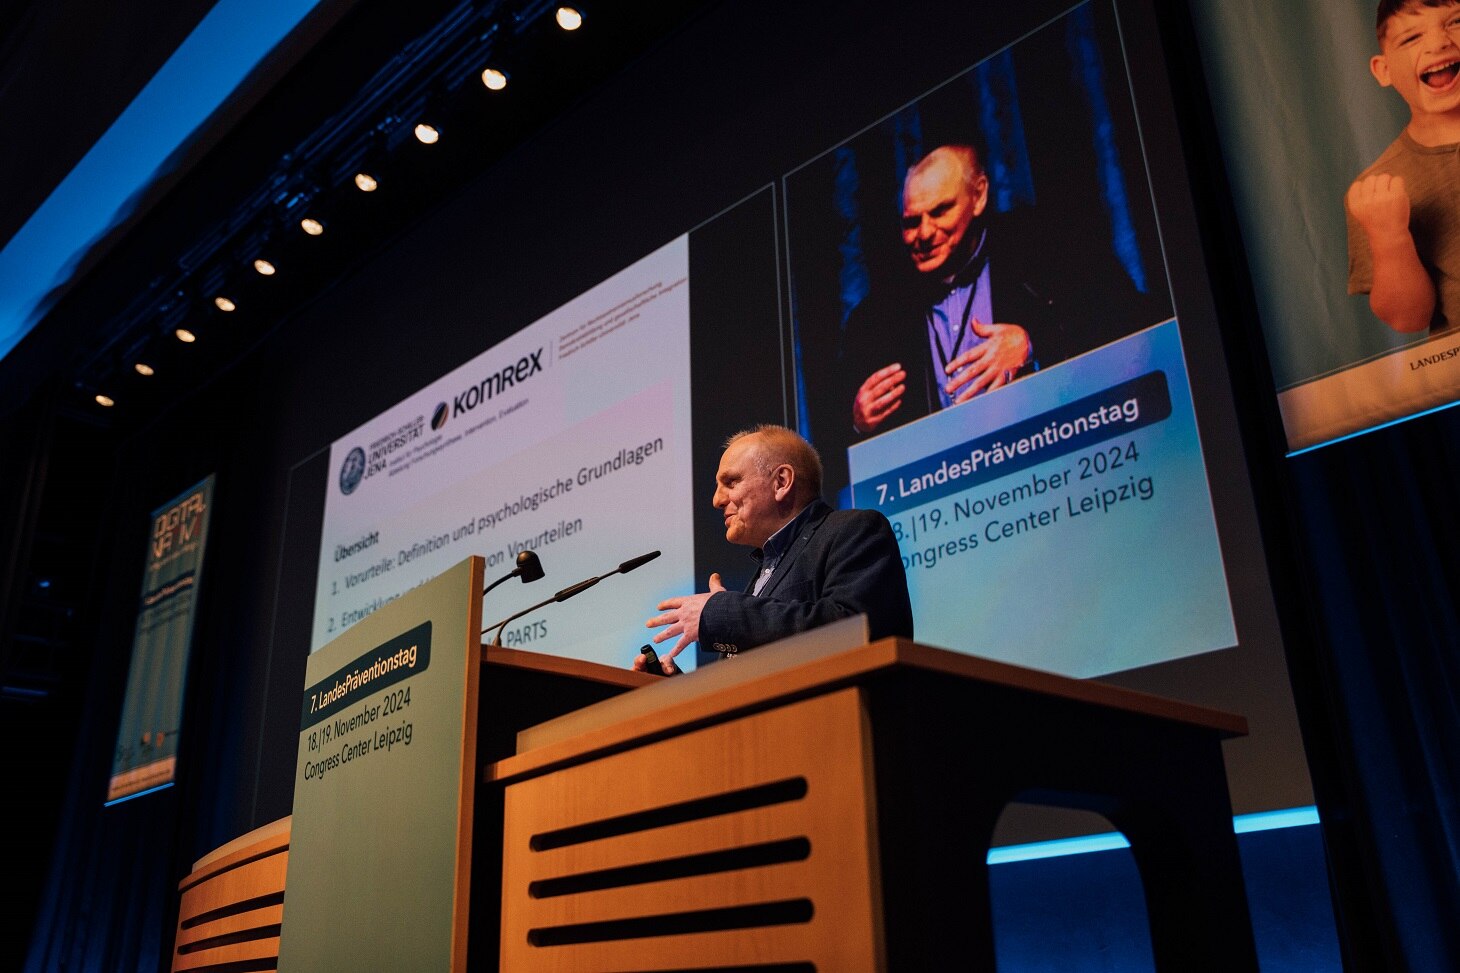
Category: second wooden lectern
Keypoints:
(816, 805)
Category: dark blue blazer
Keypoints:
(843, 562)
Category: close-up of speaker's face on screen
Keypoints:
(987, 343)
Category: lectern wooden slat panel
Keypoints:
(776, 867)
(761, 825)
(232, 904)
(907, 755)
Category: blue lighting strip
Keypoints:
(98, 194)
(1057, 849)
(23, 692)
(1241, 824)
(1295, 817)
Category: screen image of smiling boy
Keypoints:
(1403, 230)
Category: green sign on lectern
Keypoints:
(380, 843)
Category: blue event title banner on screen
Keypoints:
(1057, 527)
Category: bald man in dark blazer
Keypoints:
(816, 564)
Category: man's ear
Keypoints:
(783, 479)
(1379, 68)
(980, 194)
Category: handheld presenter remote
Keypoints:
(652, 659)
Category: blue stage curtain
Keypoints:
(1379, 518)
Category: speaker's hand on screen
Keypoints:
(991, 363)
(879, 397)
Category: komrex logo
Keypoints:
(497, 383)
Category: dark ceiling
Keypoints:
(344, 92)
(67, 69)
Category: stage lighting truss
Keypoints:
(470, 53)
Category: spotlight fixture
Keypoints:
(264, 267)
(494, 79)
(224, 304)
(569, 18)
(365, 182)
(427, 134)
(105, 401)
(311, 226)
(144, 369)
(185, 336)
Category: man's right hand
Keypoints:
(668, 666)
(682, 615)
(879, 397)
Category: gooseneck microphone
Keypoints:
(635, 562)
(529, 568)
(570, 591)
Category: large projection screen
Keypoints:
(1090, 516)
(571, 439)
(585, 437)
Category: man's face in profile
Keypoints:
(939, 203)
(746, 496)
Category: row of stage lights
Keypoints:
(494, 79)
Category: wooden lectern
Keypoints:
(820, 804)
(232, 902)
(234, 911)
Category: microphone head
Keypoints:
(528, 566)
(635, 562)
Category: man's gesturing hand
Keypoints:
(989, 364)
(879, 397)
(682, 615)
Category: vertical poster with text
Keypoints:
(146, 750)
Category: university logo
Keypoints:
(438, 418)
(352, 471)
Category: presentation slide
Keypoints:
(991, 357)
(570, 439)
(1059, 506)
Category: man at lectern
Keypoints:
(816, 564)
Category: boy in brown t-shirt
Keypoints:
(1404, 237)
